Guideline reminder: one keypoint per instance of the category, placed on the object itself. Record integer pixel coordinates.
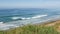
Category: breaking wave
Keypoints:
(21, 18)
(34, 17)
(39, 16)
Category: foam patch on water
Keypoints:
(16, 17)
(22, 18)
(4, 26)
(1, 22)
(39, 16)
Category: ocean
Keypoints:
(10, 18)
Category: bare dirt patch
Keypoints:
(53, 23)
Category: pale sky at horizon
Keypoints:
(29, 3)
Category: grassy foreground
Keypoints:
(47, 28)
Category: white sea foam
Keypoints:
(16, 17)
(28, 18)
(1, 22)
(23, 18)
(4, 26)
(39, 16)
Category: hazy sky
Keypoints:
(29, 3)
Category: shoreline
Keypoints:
(18, 29)
(16, 24)
(43, 22)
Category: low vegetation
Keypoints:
(47, 28)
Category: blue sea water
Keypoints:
(17, 17)
(7, 15)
